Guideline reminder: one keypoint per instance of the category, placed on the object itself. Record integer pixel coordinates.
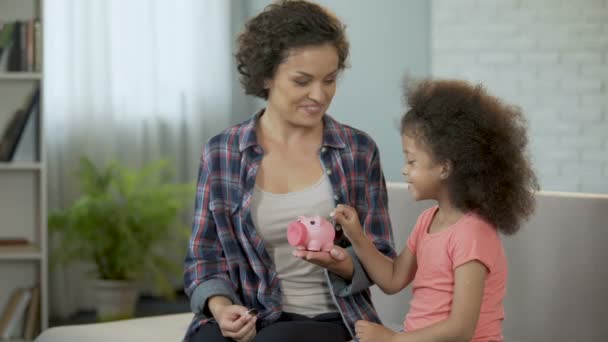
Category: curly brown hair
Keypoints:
(280, 27)
(486, 142)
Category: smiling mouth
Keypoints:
(312, 109)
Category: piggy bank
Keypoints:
(312, 233)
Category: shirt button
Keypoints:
(328, 172)
(323, 149)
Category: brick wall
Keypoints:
(550, 57)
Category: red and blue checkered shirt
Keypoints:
(226, 255)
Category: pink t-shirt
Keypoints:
(438, 255)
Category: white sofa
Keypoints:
(557, 289)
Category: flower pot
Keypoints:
(115, 299)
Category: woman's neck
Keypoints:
(276, 129)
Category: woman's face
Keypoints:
(304, 85)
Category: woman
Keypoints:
(287, 160)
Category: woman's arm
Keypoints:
(217, 303)
(205, 273)
(460, 325)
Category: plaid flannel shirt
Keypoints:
(226, 255)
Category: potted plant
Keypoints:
(123, 222)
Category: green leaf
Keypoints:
(122, 218)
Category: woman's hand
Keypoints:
(337, 261)
(233, 320)
(371, 332)
(236, 323)
(348, 218)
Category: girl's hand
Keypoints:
(348, 218)
(370, 332)
(236, 323)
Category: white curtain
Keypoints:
(131, 80)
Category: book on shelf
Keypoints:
(14, 314)
(10, 138)
(9, 309)
(12, 242)
(37, 45)
(27, 149)
(4, 56)
(21, 45)
(15, 58)
(6, 44)
(32, 318)
(6, 36)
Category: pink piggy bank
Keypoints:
(312, 233)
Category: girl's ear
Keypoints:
(446, 169)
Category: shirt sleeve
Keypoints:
(359, 282)
(205, 273)
(477, 240)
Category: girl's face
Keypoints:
(423, 175)
(304, 85)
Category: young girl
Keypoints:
(466, 150)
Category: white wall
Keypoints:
(242, 105)
(551, 58)
(388, 38)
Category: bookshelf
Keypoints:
(24, 166)
(27, 252)
(23, 179)
(14, 76)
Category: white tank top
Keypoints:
(303, 285)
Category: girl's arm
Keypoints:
(460, 325)
(390, 276)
